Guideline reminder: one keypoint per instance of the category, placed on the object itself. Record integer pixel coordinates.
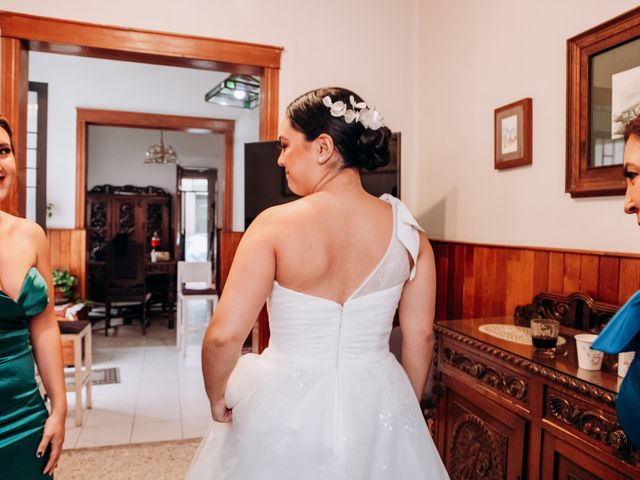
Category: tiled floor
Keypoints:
(161, 395)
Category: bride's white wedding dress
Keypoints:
(327, 400)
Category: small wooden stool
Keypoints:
(79, 333)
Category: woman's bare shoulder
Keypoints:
(282, 215)
(23, 228)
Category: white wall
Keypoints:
(114, 150)
(437, 69)
(477, 56)
(80, 82)
(368, 45)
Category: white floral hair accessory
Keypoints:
(369, 117)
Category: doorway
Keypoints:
(21, 33)
(198, 198)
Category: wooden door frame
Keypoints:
(20, 33)
(113, 118)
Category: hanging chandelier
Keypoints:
(161, 153)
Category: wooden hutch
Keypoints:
(506, 413)
(139, 212)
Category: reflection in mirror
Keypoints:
(615, 99)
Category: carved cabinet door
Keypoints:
(483, 439)
(157, 219)
(99, 221)
(127, 217)
(562, 461)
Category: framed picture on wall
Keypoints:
(513, 134)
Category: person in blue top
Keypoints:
(622, 333)
(31, 438)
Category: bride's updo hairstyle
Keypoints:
(363, 142)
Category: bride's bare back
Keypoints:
(327, 244)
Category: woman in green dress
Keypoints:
(30, 437)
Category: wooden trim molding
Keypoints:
(269, 104)
(14, 93)
(227, 207)
(21, 33)
(86, 39)
(86, 117)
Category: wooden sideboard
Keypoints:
(506, 413)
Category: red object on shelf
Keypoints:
(155, 240)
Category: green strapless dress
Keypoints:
(22, 410)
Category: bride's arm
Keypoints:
(417, 312)
(246, 289)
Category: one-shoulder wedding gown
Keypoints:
(327, 400)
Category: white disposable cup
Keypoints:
(588, 359)
(624, 362)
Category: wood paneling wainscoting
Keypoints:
(477, 280)
(68, 252)
(228, 245)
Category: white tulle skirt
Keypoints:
(304, 420)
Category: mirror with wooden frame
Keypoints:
(603, 94)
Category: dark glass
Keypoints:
(544, 335)
(544, 342)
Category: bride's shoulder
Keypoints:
(296, 210)
(280, 219)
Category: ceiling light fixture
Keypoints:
(241, 91)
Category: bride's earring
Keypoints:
(320, 159)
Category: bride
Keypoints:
(326, 399)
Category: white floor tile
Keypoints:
(156, 431)
(110, 416)
(195, 409)
(192, 375)
(104, 435)
(158, 386)
(195, 427)
(158, 397)
(121, 394)
(194, 390)
(157, 411)
(70, 421)
(71, 435)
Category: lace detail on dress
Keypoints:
(395, 268)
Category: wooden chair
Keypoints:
(194, 283)
(577, 310)
(123, 289)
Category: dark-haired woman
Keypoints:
(326, 399)
(30, 437)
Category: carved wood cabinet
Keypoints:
(140, 212)
(505, 413)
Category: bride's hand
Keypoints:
(220, 412)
